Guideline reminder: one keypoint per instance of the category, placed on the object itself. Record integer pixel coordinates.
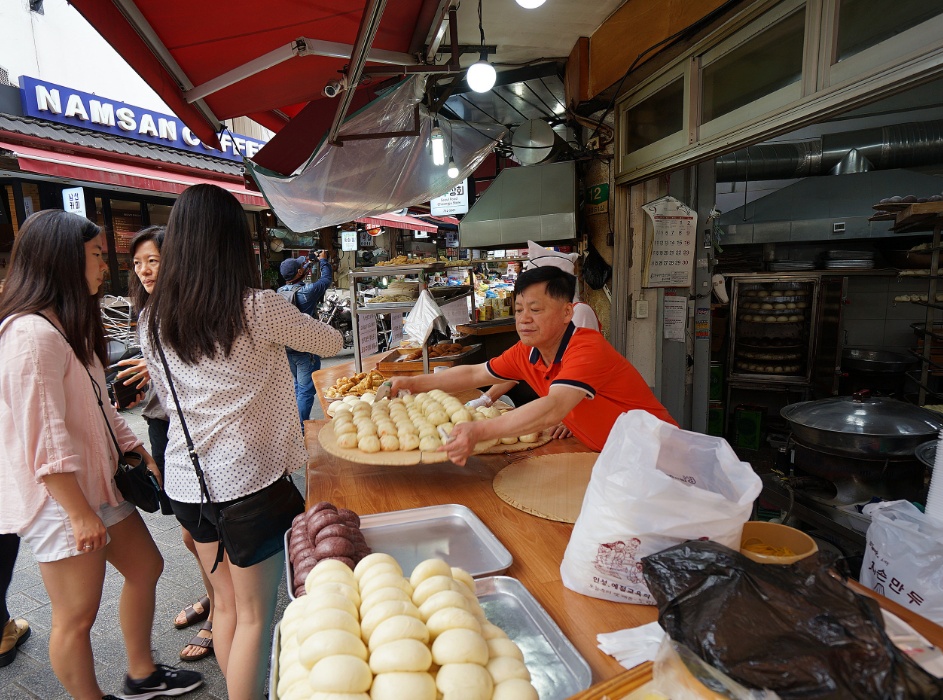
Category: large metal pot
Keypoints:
(861, 360)
(862, 426)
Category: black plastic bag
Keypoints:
(596, 271)
(792, 629)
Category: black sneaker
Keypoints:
(165, 681)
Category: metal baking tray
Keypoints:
(556, 668)
(451, 532)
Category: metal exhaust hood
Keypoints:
(536, 203)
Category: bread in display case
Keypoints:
(772, 328)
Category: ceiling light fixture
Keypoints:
(530, 4)
(453, 169)
(481, 75)
(438, 144)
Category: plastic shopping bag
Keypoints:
(423, 318)
(653, 486)
(904, 557)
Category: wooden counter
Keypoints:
(537, 545)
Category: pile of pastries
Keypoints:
(371, 630)
(355, 386)
(403, 260)
(439, 350)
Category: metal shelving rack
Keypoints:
(422, 271)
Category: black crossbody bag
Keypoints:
(135, 481)
(253, 528)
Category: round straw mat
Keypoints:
(328, 441)
(548, 486)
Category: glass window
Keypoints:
(655, 117)
(864, 23)
(158, 214)
(765, 63)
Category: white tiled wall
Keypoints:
(872, 319)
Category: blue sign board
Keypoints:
(64, 105)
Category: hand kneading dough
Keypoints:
(454, 618)
(504, 647)
(401, 655)
(374, 558)
(460, 646)
(503, 667)
(340, 674)
(330, 643)
(403, 686)
(327, 619)
(428, 569)
(396, 628)
(431, 586)
(441, 600)
(385, 610)
(514, 689)
(464, 682)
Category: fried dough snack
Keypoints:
(356, 385)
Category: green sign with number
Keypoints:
(597, 198)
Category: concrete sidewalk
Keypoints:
(30, 676)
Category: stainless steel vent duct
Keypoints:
(895, 146)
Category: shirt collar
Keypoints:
(564, 342)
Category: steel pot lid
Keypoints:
(863, 360)
(862, 414)
(926, 453)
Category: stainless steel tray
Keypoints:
(451, 532)
(556, 668)
(273, 663)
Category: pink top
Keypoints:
(50, 422)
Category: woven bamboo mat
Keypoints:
(548, 486)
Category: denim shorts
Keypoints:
(50, 535)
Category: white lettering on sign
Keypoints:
(167, 129)
(348, 240)
(126, 121)
(455, 201)
(252, 148)
(75, 108)
(48, 100)
(225, 140)
(102, 113)
(189, 138)
(73, 200)
(147, 125)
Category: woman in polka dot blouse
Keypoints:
(225, 339)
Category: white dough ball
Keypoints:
(295, 608)
(386, 429)
(451, 618)
(289, 675)
(382, 595)
(387, 580)
(514, 689)
(437, 417)
(383, 611)
(427, 569)
(530, 437)
(368, 443)
(331, 600)
(408, 442)
(464, 682)
(343, 588)
(332, 570)
(403, 686)
(503, 667)
(327, 619)
(330, 643)
(378, 569)
(463, 576)
(501, 646)
(371, 559)
(432, 585)
(347, 441)
(409, 655)
(430, 443)
(426, 431)
(460, 646)
(345, 429)
(389, 443)
(396, 628)
(440, 601)
(340, 674)
(490, 631)
(510, 440)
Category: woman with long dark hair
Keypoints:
(145, 256)
(57, 459)
(224, 340)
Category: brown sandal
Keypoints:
(192, 616)
(205, 642)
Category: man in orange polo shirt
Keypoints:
(580, 378)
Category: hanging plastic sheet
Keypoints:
(376, 176)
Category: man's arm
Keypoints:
(452, 380)
(316, 289)
(533, 417)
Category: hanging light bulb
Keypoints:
(481, 75)
(530, 4)
(438, 144)
(453, 169)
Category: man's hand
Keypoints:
(323, 255)
(151, 466)
(461, 442)
(560, 431)
(401, 385)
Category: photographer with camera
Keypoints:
(306, 297)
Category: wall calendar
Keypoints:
(671, 251)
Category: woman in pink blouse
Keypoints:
(57, 460)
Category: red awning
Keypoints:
(399, 221)
(77, 167)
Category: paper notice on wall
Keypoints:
(367, 334)
(671, 252)
(675, 314)
(396, 330)
(457, 312)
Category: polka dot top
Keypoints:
(240, 409)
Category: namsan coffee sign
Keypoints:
(63, 105)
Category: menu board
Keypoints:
(367, 332)
(396, 329)
(671, 252)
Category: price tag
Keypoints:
(396, 330)
(367, 330)
(457, 313)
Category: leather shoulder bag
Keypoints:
(252, 528)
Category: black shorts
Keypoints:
(203, 529)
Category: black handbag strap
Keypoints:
(95, 387)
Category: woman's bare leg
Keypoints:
(191, 650)
(224, 602)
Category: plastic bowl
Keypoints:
(776, 535)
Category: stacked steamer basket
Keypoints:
(773, 325)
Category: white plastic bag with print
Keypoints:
(903, 559)
(653, 486)
(423, 317)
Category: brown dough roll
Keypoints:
(334, 547)
(335, 530)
